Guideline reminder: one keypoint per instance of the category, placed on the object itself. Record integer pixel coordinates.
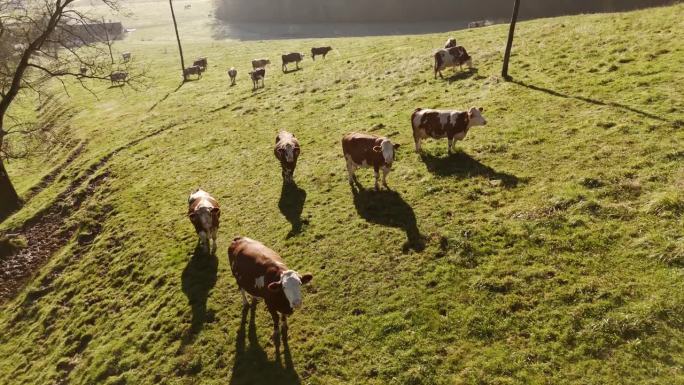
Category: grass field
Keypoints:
(548, 250)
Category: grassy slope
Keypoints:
(554, 239)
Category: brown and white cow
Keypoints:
(438, 124)
(194, 70)
(201, 62)
(451, 57)
(204, 213)
(256, 75)
(366, 150)
(320, 51)
(450, 43)
(294, 57)
(126, 56)
(262, 273)
(118, 76)
(232, 73)
(287, 151)
(260, 63)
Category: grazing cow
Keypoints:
(204, 213)
(194, 70)
(83, 70)
(232, 73)
(452, 57)
(320, 51)
(188, 6)
(118, 76)
(256, 75)
(260, 63)
(201, 63)
(365, 150)
(287, 151)
(450, 43)
(294, 57)
(262, 273)
(438, 124)
(126, 56)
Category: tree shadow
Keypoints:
(198, 278)
(292, 70)
(388, 208)
(166, 96)
(462, 165)
(252, 365)
(587, 100)
(291, 204)
(462, 75)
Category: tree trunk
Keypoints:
(9, 200)
(509, 45)
(180, 48)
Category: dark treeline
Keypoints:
(315, 11)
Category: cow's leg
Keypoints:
(450, 145)
(350, 170)
(385, 171)
(377, 179)
(297, 65)
(204, 240)
(417, 140)
(213, 238)
(245, 303)
(276, 330)
(284, 327)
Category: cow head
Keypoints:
(291, 283)
(204, 216)
(289, 152)
(475, 117)
(387, 149)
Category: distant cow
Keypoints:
(204, 213)
(126, 56)
(365, 150)
(320, 51)
(194, 70)
(201, 63)
(188, 6)
(256, 75)
(438, 124)
(294, 57)
(83, 70)
(232, 73)
(260, 63)
(450, 43)
(287, 151)
(118, 76)
(262, 273)
(452, 57)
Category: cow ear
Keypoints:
(306, 278)
(481, 109)
(214, 210)
(377, 149)
(396, 146)
(275, 286)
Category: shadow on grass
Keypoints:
(388, 208)
(462, 165)
(251, 364)
(166, 96)
(286, 71)
(587, 100)
(462, 75)
(291, 204)
(198, 278)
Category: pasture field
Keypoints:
(548, 250)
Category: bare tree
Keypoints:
(43, 44)
(509, 44)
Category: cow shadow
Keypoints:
(462, 165)
(292, 70)
(252, 365)
(388, 208)
(197, 280)
(291, 205)
(462, 75)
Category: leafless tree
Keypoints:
(509, 44)
(44, 46)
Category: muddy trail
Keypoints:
(47, 232)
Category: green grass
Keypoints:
(552, 241)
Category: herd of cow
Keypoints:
(259, 270)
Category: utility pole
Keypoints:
(180, 48)
(509, 45)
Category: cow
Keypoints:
(452, 57)
(294, 57)
(83, 70)
(287, 151)
(450, 43)
(365, 150)
(126, 56)
(201, 63)
(320, 51)
(232, 73)
(204, 213)
(438, 124)
(256, 75)
(118, 76)
(260, 63)
(262, 273)
(194, 70)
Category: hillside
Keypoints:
(548, 250)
